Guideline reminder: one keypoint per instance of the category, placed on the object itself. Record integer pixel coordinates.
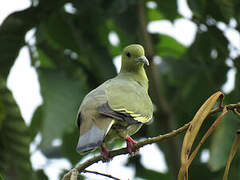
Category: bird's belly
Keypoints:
(132, 129)
(118, 130)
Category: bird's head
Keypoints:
(133, 58)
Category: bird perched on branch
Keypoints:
(118, 107)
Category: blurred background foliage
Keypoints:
(72, 55)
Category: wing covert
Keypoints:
(130, 98)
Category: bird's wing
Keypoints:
(93, 126)
(127, 100)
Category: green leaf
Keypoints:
(127, 21)
(205, 42)
(69, 145)
(115, 6)
(12, 33)
(206, 173)
(168, 8)
(36, 123)
(198, 8)
(62, 96)
(225, 132)
(220, 10)
(154, 15)
(58, 31)
(14, 139)
(169, 47)
(44, 60)
(183, 78)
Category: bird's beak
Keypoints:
(144, 60)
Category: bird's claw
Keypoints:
(130, 144)
(105, 153)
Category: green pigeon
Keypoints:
(118, 107)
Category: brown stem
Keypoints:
(232, 107)
(236, 112)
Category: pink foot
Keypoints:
(105, 153)
(130, 144)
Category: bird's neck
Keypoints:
(138, 75)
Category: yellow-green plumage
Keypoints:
(119, 106)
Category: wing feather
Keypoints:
(106, 110)
(129, 98)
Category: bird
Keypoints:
(118, 107)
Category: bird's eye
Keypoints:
(128, 54)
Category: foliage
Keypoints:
(73, 54)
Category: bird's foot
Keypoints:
(130, 144)
(105, 153)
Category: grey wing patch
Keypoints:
(90, 140)
(106, 110)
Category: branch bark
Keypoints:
(81, 167)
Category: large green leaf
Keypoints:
(58, 31)
(12, 33)
(14, 140)
(90, 48)
(169, 47)
(69, 146)
(62, 96)
(14, 28)
(226, 133)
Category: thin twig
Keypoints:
(81, 167)
(236, 112)
(102, 174)
(231, 107)
(231, 155)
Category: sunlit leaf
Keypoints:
(169, 47)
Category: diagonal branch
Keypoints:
(81, 167)
(102, 174)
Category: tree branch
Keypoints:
(74, 174)
(81, 167)
(102, 174)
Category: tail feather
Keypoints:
(90, 140)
